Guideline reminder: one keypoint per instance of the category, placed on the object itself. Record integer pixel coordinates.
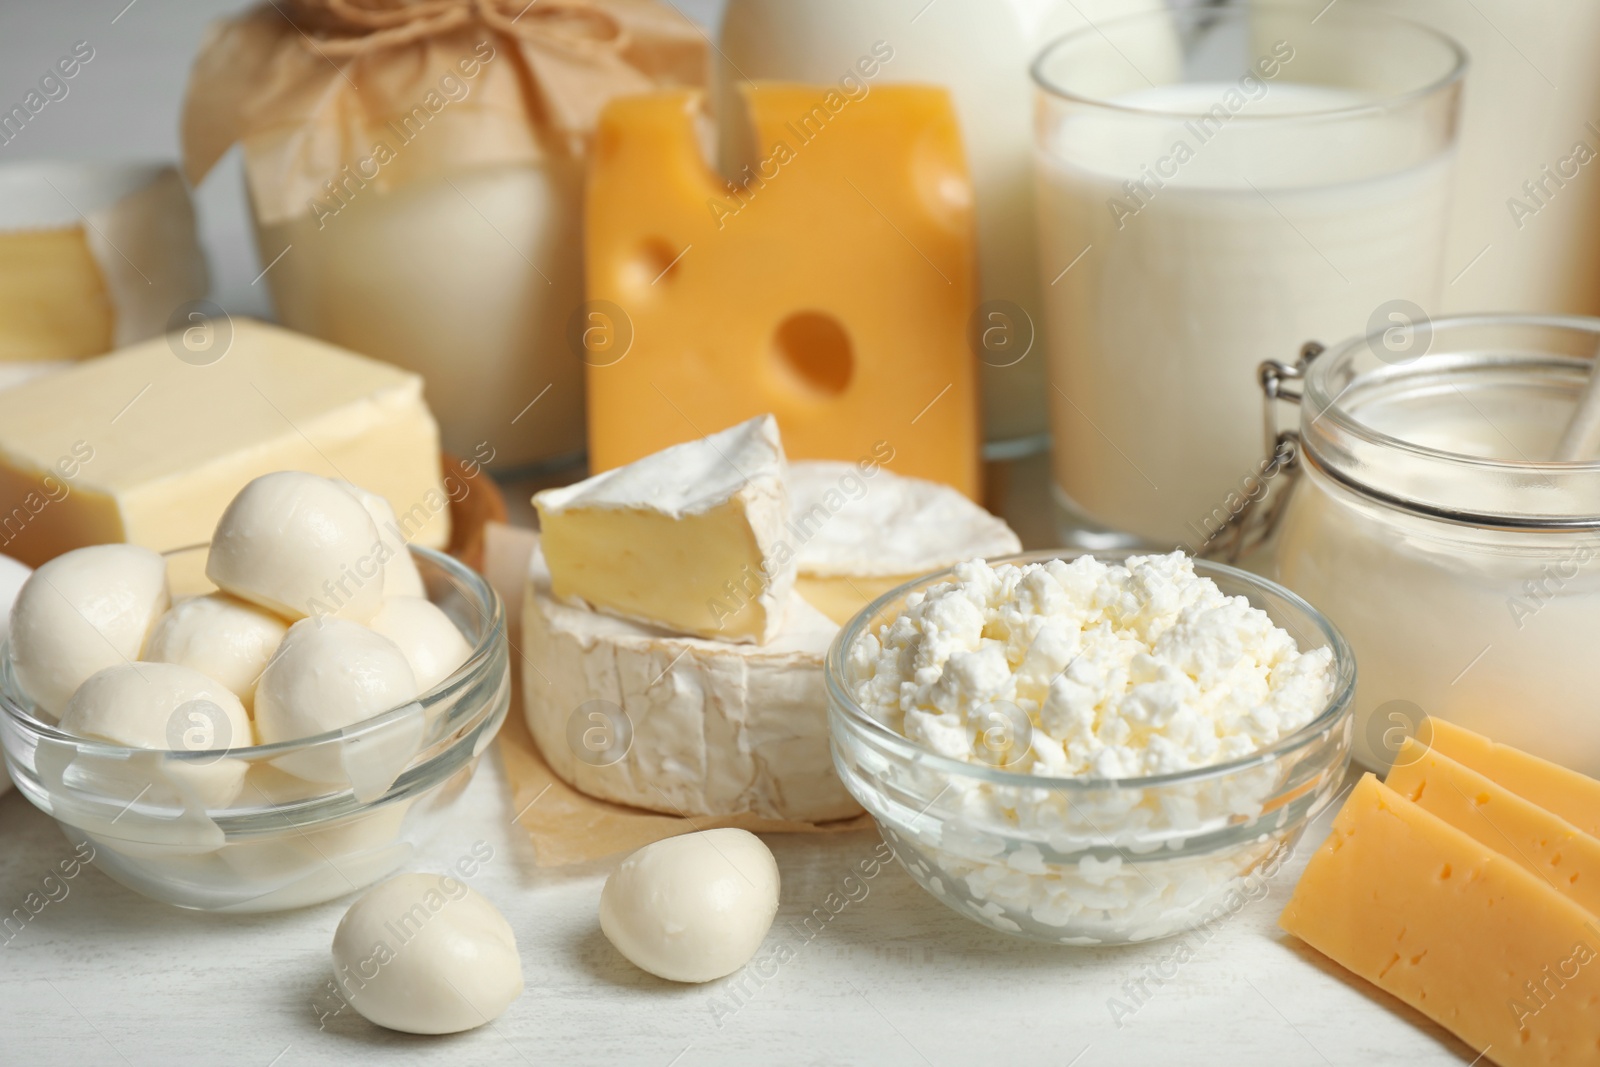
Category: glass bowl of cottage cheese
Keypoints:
(1091, 749)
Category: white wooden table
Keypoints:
(104, 976)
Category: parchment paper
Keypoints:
(313, 88)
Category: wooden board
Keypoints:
(480, 504)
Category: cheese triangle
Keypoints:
(692, 539)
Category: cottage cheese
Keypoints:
(1113, 671)
(1105, 673)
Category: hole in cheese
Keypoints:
(813, 349)
(655, 264)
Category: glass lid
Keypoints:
(1459, 419)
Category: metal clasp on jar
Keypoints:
(1254, 523)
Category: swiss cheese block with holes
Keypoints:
(1469, 938)
(831, 284)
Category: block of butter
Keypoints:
(149, 444)
(690, 539)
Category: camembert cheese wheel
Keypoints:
(862, 530)
(681, 725)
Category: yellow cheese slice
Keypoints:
(1545, 844)
(1566, 793)
(148, 445)
(53, 300)
(831, 286)
(1454, 929)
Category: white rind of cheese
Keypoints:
(691, 538)
(874, 523)
(861, 531)
(713, 728)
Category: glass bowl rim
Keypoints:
(1234, 12)
(1338, 706)
(483, 655)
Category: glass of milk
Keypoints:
(1217, 186)
(1432, 526)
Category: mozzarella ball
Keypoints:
(329, 674)
(400, 574)
(220, 636)
(165, 706)
(431, 643)
(299, 545)
(426, 954)
(692, 908)
(82, 612)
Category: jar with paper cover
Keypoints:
(416, 177)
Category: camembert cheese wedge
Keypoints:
(690, 539)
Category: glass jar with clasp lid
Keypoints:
(1419, 504)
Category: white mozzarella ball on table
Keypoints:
(426, 954)
(400, 574)
(692, 908)
(82, 612)
(220, 636)
(168, 707)
(299, 545)
(329, 674)
(431, 643)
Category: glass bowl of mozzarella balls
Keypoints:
(270, 721)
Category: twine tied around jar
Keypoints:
(338, 28)
(328, 96)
